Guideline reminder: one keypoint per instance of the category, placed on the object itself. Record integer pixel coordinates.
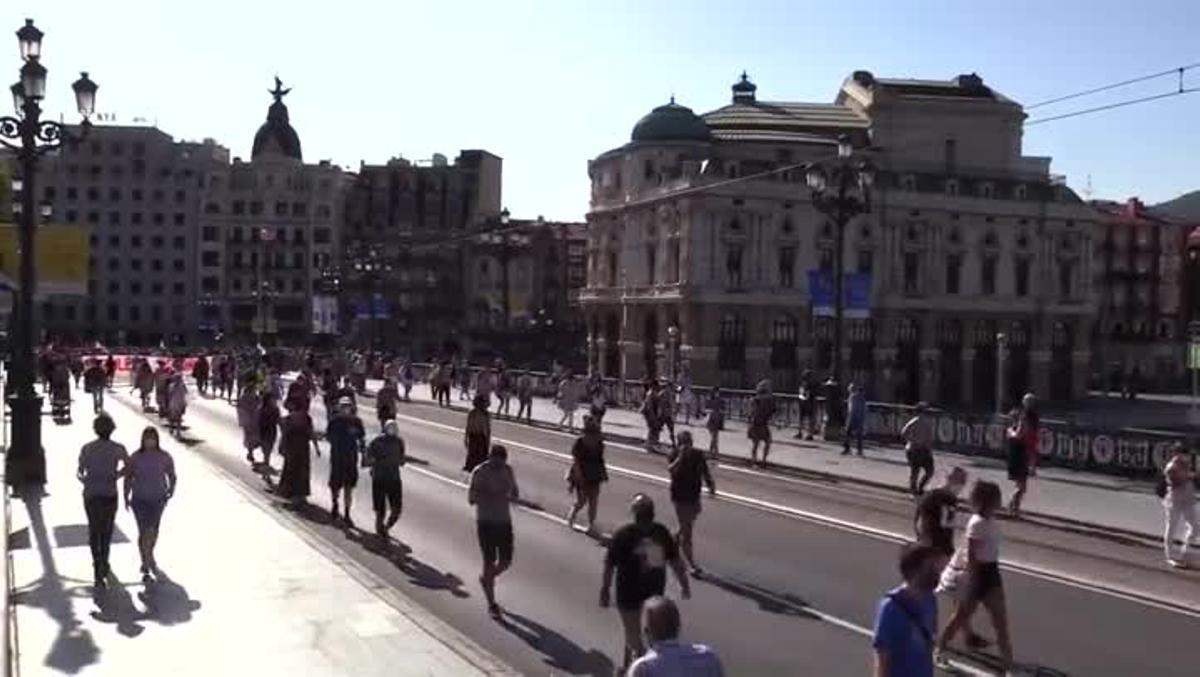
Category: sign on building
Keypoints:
(856, 294)
(62, 258)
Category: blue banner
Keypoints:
(856, 293)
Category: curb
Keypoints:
(437, 630)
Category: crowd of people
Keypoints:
(961, 565)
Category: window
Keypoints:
(179, 218)
(1066, 275)
(612, 269)
(298, 260)
(136, 218)
(210, 284)
(953, 273)
(912, 263)
(180, 197)
(298, 236)
(733, 265)
(156, 265)
(179, 242)
(237, 284)
(239, 207)
(322, 236)
(866, 261)
(237, 260)
(209, 234)
(114, 287)
(297, 285)
(135, 265)
(651, 263)
(114, 195)
(324, 211)
(114, 218)
(72, 216)
(178, 265)
(255, 208)
(93, 194)
(114, 313)
(1021, 276)
(136, 241)
(177, 288)
(114, 264)
(135, 287)
(93, 217)
(157, 241)
(731, 348)
(987, 276)
(825, 259)
(787, 267)
(986, 189)
(673, 261)
(156, 313)
(156, 288)
(137, 194)
(281, 209)
(114, 241)
(299, 208)
(1020, 192)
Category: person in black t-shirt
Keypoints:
(934, 519)
(639, 554)
(688, 469)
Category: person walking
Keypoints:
(296, 434)
(917, 434)
(478, 435)
(268, 428)
(385, 454)
(638, 555)
(715, 423)
(906, 617)
(504, 386)
(143, 382)
(665, 655)
(1022, 441)
(200, 374)
(934, 522)
(101, 463)
(149, 484)
(568, 401)
(588, 471)
(176, 403)
(688, 469)
(664, 406)
(856, 419)
(492, 490)
(94, 381)
(974, 574)
(406, 379)
(248, 406)
(1179, 504)
(525, 397)
(345, 434)
(762, 409)
(808, 406)
(386, 401)
(649, 411)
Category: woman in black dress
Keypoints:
(478, 434)
(298, 433)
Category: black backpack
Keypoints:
(1160, 486)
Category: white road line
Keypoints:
(1080, 582)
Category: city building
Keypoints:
(407, 227)
(1141, 323)
(268, 231)
(702, 235)
(140, 193)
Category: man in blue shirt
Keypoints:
(856, 419)
(906, 621)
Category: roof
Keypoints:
(782, 121)
(670, 122)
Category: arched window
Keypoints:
(731, 346)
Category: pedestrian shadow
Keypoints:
(392, 549)
(559, 652)
(73, 647)
(426, 576)
(785, 604)
(115, 606)
(167, 602)
(994, 664)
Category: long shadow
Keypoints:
(993, 663)
(168, 602)
(116, 607)
(73, 648)
(560, 653)
(785, 604)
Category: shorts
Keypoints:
(920, 457)
(148, 512)
(387, 492)
(686, 511)
(495, 541)
(986, 580)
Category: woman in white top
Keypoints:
(974, 572)
(1179, 504)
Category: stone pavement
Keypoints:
(244, 593)
(1071, 496)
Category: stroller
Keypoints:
(60, 400)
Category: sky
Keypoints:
(549, 84)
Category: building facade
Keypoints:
(407, 228)
(140, 193)
(704, 224)
(268, 229)
(1140, 333)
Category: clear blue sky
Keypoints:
(548, 85)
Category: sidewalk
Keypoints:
(271, 600)
(1072, 496)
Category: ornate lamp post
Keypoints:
(673, 352)
(504, 243)
(1001, 356)
(31, 137)
(841, 190)
(368, 269)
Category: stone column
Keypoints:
(1080, 374)
(968, 375)
(601, 355)
(1039, 380)
(930, 368)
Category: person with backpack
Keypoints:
(906, 618)
(1177, 488)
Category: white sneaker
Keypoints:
(1177, 563)
(941, 660)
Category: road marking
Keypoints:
(1080, 582)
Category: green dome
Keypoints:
(671, 122)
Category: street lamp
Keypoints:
(1001, 355)
(504, 243)
(841, 190)
(673, 351)
(31, 137)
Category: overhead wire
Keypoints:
(1116, 85)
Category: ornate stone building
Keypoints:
(704, 224)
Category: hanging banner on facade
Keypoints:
(856, 294)
(62, 258)
(378, 308)
(324, 314)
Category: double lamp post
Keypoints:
(31, 137)
(841, 190)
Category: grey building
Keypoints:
(140, 193)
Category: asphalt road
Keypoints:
(796, 566)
